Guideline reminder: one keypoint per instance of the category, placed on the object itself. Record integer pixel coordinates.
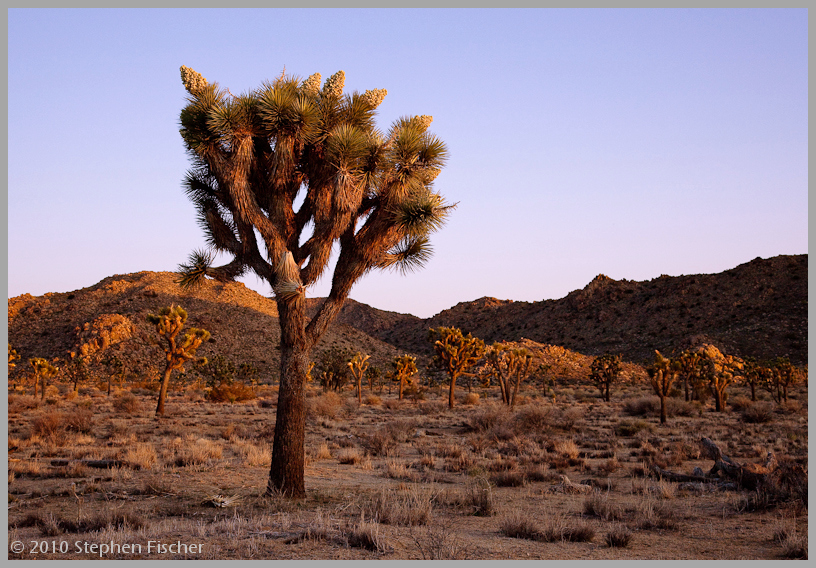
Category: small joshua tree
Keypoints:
(404, 368)
(455, 354)
(690, 368)
(169, 323)
(662, 374)
(43, 370)
(605, 370)
(358, 366)
(511, 366)
(720, 371)
(334, 369)
(781, 376)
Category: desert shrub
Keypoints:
(518, 526)
(618, 537)
(489, 418)
(599, 506)
(80, 420)
(267, 403)
(141, 455)
(536, 418)
(127, 403)
(631, 427)
(508, 479)
(642, 406)
(470, 399)
(349, 456)
(372, 400)
(231, 392)
(480, 497)
(739, 403)
(758, 413)
(325, 406)
(197, 453)
(381, 444)
(50, 425)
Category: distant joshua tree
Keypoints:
(662, 374)
(404, 368)
(358, 366)
(305, 170)
(169, 323)
(511, 367)
(605, 370)
(455, 354)
(43, 370)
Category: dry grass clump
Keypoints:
(471, 399)
(556, 529)
(509, 479)
(618, 537)
(349, 456)
(480, 498)
(51, 427)
(372, 400)
(490, 418)
(21, 403)
(381, 443)
(600, 506)
(80, 420)
(232, 392)
(567, 448)
(253, 455)
(398, 470)
(366, 534)
(51, 525)
(127, 403)
(197, 452)
(632, 427)
(651, 516)
(325, 406)
(403, 508)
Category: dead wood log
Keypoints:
(99, 464)
(746, 476)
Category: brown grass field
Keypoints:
(400, 479)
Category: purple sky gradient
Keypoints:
(632, 143)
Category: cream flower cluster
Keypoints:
(423, 121)
(311, 86)
(374, 97)
(193, 81)
(334, 85)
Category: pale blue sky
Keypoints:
(632, 143)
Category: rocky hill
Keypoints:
(756, 309)
(111, 316)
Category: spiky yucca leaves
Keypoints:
(662, 374)
(404, 368)
(169, 322)
(43, 370)
(605, 370)
(282, 176)
(455, 353)
(511, 366)
(358, 366)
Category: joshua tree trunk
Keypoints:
(163, 390)
(402, 386)
(662, 409)
(286, 473)
(451, 398)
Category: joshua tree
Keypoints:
(13, 356)
(605, 370)
(511, 366)
(358, 366)
(781, 376)
(334, 368)
(43, 370)
(455, 354)
(169, 324)
(755, 373)
(404, 368)
(720, 370)
(305, 170)
(662, 374)
(690, 368)
(76, 371)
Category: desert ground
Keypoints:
(563, 477)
